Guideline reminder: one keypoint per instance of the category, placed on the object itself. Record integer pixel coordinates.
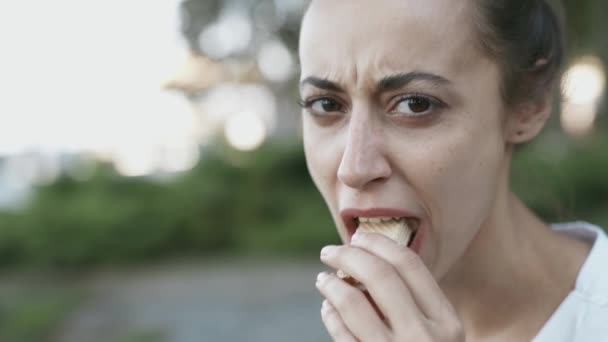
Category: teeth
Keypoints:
(378, 219)
(389, 226)
(397, 230)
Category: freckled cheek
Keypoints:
(461, 169)
(460, 192)
(322, 159)
(457, 183)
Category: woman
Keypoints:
(411, 111)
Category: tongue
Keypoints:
(396, 230)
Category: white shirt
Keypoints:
(583, 315)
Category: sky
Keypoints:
(87, 76)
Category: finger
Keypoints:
(334, 324)
(354, 309)
(384, 284)
(424, 288)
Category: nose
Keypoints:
(363, 161)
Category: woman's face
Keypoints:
(402, 112)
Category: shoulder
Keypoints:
(583, 315)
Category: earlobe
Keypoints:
(527, 121)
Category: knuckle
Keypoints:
(383, 272)
(330, 317)
(382, 335)
(347, 298)
(409, 260)
(448, 331)
(330, 320)
(419, 331)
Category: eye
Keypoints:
(323, 106)
(416, 105)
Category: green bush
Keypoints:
(32, 314)
(250, 203)
(564, 182)
(263, 203)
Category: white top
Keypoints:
(583, 315)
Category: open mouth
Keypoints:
(402, 230)
(401, 226)
(390, 223)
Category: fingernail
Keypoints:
(327, 251)
(324, 306)
(321, 277)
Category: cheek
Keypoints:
(323, 154)
(315, 159)
(467, 188)
(322, 158)
(456, 176)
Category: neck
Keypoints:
(514, 275)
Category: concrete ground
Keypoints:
(201, 301)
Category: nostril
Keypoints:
(381, 178)
(363, 162)
(362, 178)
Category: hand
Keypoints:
(400, 285)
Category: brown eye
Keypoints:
(326, 105)
(323, 106)
(416, 105)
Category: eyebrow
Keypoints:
(388, 83)
(322, 83)
(398, 81)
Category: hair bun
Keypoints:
(525, 37)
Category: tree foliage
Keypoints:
(261, 203)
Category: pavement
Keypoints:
(236, 300)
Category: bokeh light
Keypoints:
(228, 99)
(160, 136)
(275, 61)
(584, 81)
(231, 33)
(245, 131)
(583, 85)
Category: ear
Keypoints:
(526, 121)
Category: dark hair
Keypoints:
(525, 38)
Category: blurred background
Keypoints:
(152, 180)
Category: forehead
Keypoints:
(362, 41)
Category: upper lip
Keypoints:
(350, 214)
